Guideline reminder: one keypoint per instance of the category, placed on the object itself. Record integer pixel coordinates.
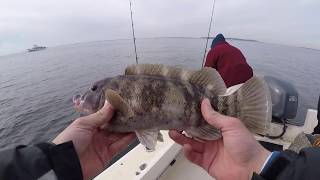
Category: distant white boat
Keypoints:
(36, 48)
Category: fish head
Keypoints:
(93, 100)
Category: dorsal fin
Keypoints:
(209, 78)
(154, 70)
(206, 77)
(159, 70)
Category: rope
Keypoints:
(205, 50)
(133, 35)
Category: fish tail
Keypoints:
(255, 105)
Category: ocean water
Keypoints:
(36, 88)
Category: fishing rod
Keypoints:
(133, 34)
(205, 50)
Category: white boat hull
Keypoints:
(159, 164)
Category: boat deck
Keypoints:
(168, 163)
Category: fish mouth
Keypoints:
(80, 104)
(76, 100)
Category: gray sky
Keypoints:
(55, 22)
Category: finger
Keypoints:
(192, 155)
(101, 117)
(121, 143)
(211, 116)
(113, 137)
(182, 139)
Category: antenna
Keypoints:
(205, 50)
(133, 35)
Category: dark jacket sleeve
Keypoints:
(41, 161)
(302, 166)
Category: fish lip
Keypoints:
(79, 104)
(76, 99)
(79, 107)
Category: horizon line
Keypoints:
(172, 37)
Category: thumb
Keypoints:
(101, 117)
(213, 117)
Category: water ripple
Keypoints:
(36, 88)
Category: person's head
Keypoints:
(217, 39)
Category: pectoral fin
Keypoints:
(149, 138)
(205, 131)
(118, 102)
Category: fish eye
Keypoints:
(94, 87)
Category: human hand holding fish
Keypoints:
(234, 156)
(94, 146)
(153, 97)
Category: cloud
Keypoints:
(54, 22)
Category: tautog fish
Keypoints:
(149, 98)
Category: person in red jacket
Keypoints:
(228, 61)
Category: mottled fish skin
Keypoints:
(229, 105)
(163, 97)
(158, 102)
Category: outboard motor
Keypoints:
(284, 98)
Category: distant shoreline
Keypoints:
(190, 37)
(169, 37)
(182, 37)
(237, 39)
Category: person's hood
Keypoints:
(219, 38)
